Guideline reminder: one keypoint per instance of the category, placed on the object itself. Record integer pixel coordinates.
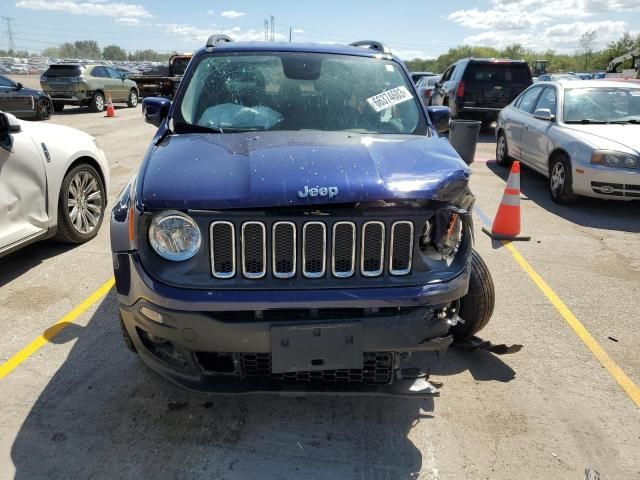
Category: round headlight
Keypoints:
(174, 236)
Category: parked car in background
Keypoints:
(585, 76)
(19, 69)
(478, 88)
(24, 102)
(163, 80)
(584, 136)
(53, 184)
(425, 87)
(87, 85)
(416, 76)
(599, 75)
(556, 77)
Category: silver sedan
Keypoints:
(583, 135)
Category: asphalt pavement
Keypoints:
(82, 406)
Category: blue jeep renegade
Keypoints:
(297, 223)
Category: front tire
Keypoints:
(561, 180)
(502, 151)
(81, 205)
(44, 109)
(133, 99)
(476, 307)
(97, 102)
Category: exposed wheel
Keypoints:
(561, 180)
(476, 307)
(125, 336)
(58, 107)
(97, 102)
(44, 109)
(81, 205)
(502, 151)
(133, 98)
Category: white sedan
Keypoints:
(53, 183)
(583, 135)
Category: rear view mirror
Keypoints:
(439, 118)
(155, 110)
(544, 114)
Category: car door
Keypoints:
(10, 100)
(23, 189)
(108, 84)
(535, 134)
(520, 122)
(437, 97)
(120, 88)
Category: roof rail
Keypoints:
(372, 44)
(217, 39)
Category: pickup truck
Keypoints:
(163, 81)
(297, 222)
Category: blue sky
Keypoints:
(412, 29)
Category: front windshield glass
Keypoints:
(602, 105)
(299, 91)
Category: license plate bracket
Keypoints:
(316, 347)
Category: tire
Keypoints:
(560, 182)
(97, 102)
(476, 307)
(44, 109)
(58, 107)
(502, 151)
(132, 101)
(81, 205)
(126, 337)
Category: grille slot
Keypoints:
(223, 249)
(284, 249)
(372, 252)
(254, 250)
(314, 249)
(377, 369)
(401, 248)
(344, 249)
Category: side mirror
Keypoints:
(544, 114)
(8, 125)
(439, 117)
(155, 110)
(20, 86)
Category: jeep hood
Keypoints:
(268, 169)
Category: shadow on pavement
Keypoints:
(483, 365)
(588, 212)
(104, 415)
(26, 258)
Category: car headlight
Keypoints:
(441, 236)
(174, 236)
(611, 158)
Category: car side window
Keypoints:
(5, 82)
(99, 72)
(113, 73)
(547, 100)
(529, 99)
(447, 74)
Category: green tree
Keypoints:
(88, 49)
(114, 52)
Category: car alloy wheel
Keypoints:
(500, 149)
(557, 179)
(84, 202)
(133, 99)
(45, 109)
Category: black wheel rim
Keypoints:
(46, 109)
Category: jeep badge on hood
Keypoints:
(318, 192)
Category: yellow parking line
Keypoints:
(7, 367)
(607, 362)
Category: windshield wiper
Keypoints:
(192, 128)
(585, 121)
(631, 120)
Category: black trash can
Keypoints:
(463, 137)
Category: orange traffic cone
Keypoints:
(506, 225)
(111, 112)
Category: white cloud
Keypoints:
(92, 8)
(210, 12)
(128, 21)
(190, 32)
(410, 54)
(298, 30)
(232, 14)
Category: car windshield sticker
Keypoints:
(390, 68)
(388, 99)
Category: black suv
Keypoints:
(478, 88)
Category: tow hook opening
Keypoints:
(450, 314)
(162, 348)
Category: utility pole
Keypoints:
(289, 33)
(273, 23)
(266, 30)
(9, 31)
